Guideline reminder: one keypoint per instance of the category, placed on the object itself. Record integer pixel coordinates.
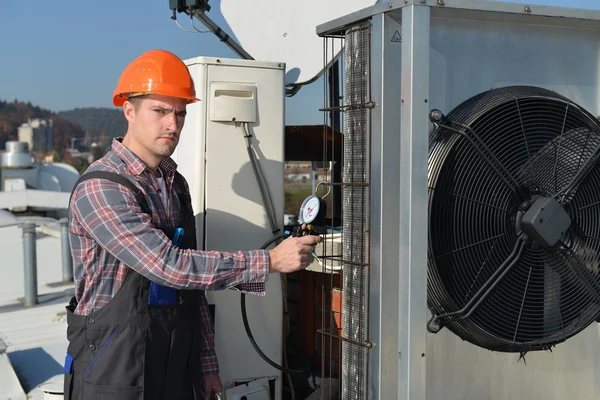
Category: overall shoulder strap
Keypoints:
(117, 178)
(179, 188)
(178, 183)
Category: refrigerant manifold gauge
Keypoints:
(312, 209)
(312, 213)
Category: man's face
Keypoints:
(156, 123)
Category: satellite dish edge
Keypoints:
(280, 31)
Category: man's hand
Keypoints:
(212, 386)
(293, 254)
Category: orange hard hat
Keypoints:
(155, 71)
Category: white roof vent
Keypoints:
(17, 155)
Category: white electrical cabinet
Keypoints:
(230, 214)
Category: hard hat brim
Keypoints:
(121, 98)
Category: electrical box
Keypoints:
(180, 5)
(231, 102)
(230, 215)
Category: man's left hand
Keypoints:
(212, 386)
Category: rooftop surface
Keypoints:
(34, 337)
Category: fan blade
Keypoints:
(552, 297)
(580, 176)
(485, 290)
(583, 274)
(489, 157)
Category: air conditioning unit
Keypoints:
(242, 103)
(472, 267)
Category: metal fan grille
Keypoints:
(541, 140)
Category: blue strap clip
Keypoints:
(178, 236)
(161, 294)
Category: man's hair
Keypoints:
(137, 100)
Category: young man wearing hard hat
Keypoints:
(139, 325)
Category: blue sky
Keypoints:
(66, 54)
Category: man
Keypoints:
(138, 325)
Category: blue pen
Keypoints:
(163, 295)
(178, 236)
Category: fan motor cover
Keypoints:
(514, 219)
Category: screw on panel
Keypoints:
(527, 9)
(441, 3)
(423, 2)
(390, 5)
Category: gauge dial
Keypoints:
(310, 209)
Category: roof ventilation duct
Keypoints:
(17, 155)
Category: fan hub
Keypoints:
(544, 222)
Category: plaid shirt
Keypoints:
(109, 233)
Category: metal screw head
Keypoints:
(527, 9)
(434, 326)
(435, 115)
(440, 2)
(390, 5)
(423, 2)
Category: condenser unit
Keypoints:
(471, 193)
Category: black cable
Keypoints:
(247, 325)
(272, 240)
(253, 342)
(270, 210)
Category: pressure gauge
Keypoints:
(311, 208)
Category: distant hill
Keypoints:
(15, 113)
(98, 122)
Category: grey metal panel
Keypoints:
(479, 9)
(385, 188)
(468, 57)
(514, 12)
(457, 370)
(533, 11)
(414, 143)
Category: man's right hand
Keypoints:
(293, 254)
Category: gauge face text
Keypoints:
(310, 209)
